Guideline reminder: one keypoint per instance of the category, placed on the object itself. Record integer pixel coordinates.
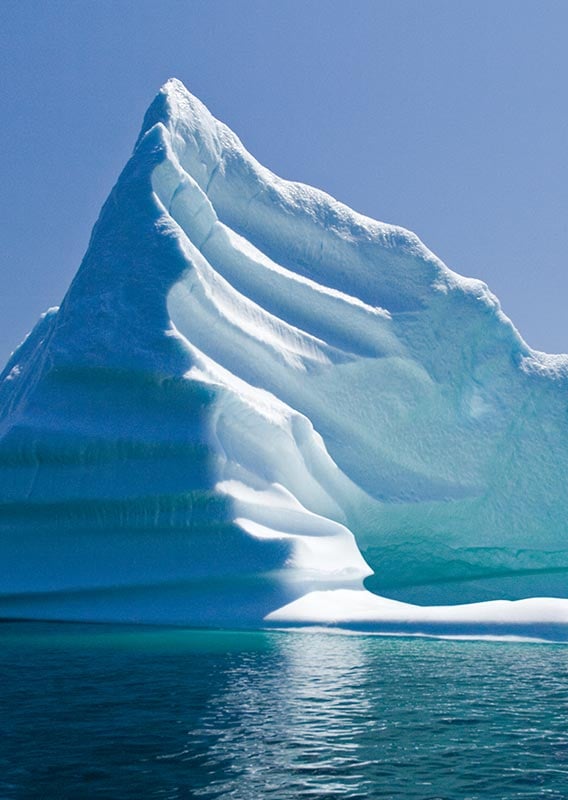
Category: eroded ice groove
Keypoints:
(255, 405)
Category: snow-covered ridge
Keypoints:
(252, 399)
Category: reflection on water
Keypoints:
(93, 711)
(298, 726)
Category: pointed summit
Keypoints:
(174, 104)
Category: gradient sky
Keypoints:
(449, 118)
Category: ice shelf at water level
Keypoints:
(257, 407)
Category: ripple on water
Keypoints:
(95, 711)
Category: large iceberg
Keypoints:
(256, 406)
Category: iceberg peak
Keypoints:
(174, 106)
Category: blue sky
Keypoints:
(447, 117)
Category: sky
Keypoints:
(448, 118)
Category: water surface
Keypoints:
(116, 712)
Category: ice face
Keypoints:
(253, 399)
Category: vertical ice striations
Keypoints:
(243, 374)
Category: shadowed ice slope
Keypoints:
(252, 399)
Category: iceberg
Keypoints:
(257, 407)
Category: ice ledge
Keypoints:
(542, 618)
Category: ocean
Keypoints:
(97, 711)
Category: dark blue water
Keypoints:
(110, 712)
